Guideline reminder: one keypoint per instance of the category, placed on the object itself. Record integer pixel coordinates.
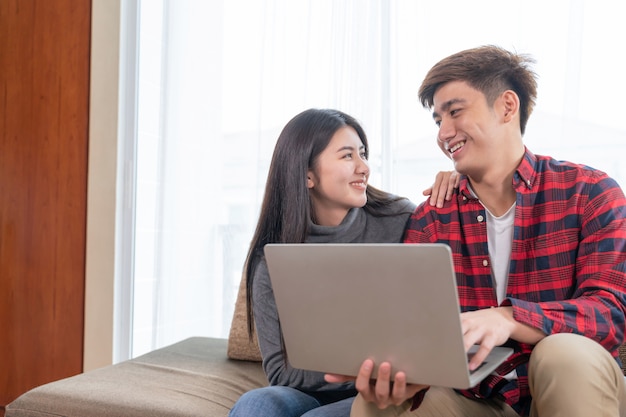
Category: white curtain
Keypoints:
(218, 80)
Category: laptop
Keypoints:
(340, 304)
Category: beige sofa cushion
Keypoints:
(240, 346)
(189, 378)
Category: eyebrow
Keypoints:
(349, 148)
(446, 106)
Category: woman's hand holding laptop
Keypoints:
(381, 391)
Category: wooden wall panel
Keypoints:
(44, 97)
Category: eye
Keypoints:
(438, 123)
(347, 155)
(454, 112)
(363, 155)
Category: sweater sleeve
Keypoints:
(278, 371)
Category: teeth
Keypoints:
(456, 147)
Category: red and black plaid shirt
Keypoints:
(567, 272)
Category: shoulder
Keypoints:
(580, 178)
(397, 207)
(427, 218)
(388, 224)
(566, 170)
(403, 205)
(542, 173)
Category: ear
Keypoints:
(309, 179)
(510, 105)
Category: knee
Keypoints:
(273, 401)
(563, 349)
(257, 399)
(246, 403)
(570, 355)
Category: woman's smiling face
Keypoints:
(338, 180)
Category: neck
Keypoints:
(329, 217)
(497, 198)
(494, 187)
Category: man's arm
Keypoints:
(596, 304)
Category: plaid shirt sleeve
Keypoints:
(568, 262)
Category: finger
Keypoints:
(402, 391)
(382, 387)
(442, 193)
(470, 339)
(337, 379)
(434, 190)
(399, 391)
(447, 184)
(453, 182)
(362, 383)
(480, 356)
(457, 178)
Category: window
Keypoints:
(217, 81)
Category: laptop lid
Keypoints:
(339, 304)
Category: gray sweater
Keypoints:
(358, 227)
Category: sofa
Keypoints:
(198, 376)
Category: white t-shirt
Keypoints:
(500, 244)
(500, 241)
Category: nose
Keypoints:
(363, 167)
(446, 131)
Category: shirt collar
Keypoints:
(526, 172)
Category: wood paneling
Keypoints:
(44, 113)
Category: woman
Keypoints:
(316, 192)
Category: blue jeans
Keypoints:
(278, 401)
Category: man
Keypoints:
(540, 255)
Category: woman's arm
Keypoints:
(278, 371)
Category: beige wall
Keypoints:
(101, 198)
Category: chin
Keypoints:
(458, 167)
(356, 203)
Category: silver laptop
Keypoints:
(339, 304)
